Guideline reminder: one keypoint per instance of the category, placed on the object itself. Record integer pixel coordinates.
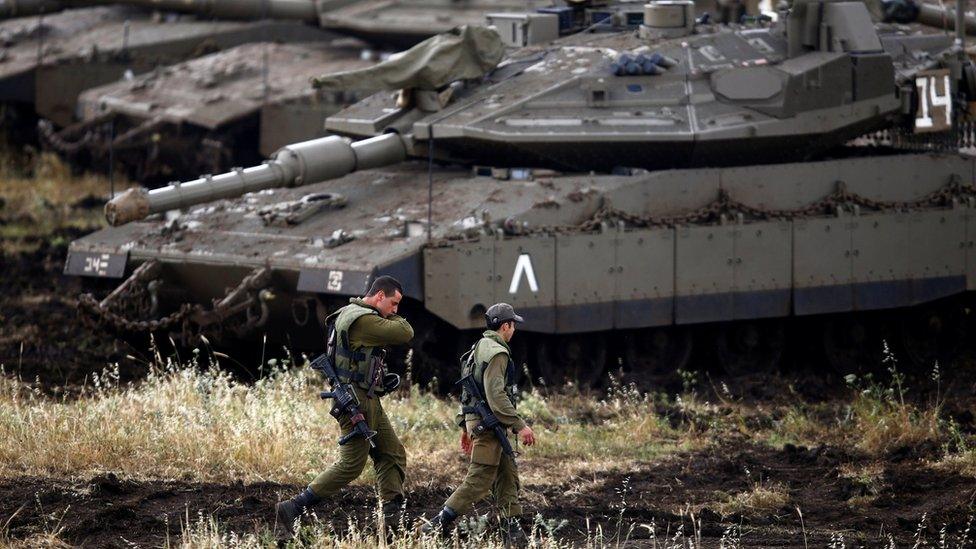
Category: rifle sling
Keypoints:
(349, 376)
(355, 356)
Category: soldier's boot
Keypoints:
(442, 523)
(513, 534)
(286, 512)
(394, 514)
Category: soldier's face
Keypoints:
(507, 331)
(387, 305)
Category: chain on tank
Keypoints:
(958, 139)
(119, 309)
(725, 204)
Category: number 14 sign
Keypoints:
(934, 113)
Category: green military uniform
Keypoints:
(361, 332)
(491, 471)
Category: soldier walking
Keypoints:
(491, 470)
(361, 330)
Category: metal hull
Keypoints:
(728, 267)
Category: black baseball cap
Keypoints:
(501, 312)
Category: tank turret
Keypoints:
(715, 97)
(612, 101)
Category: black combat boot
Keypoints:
(287, 511)
(442, 523)
(394, 514)
(513, 534)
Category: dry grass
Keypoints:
(878, 420)
(277, 430)
(873, 425)
(204, 532)
(763, 499)
(963, 463)
(885, 426)
(38, 194)
(273, 430)
(868, 482)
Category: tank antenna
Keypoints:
(40, 37)
(961, 27)
(265, 69)
(430, 185)
(111, 158)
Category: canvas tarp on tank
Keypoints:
(464, 52)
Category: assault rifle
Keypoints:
(488, 418)
(344, 402)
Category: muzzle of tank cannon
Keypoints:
(299, 10)
(299, 164)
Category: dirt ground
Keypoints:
(106, 511)
(40, 336)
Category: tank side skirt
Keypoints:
(572, 283)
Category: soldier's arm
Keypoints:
(495, 394)
(376, 331)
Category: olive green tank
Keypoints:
(239, 105)
(637, 195)
(48, 59)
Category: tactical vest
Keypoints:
(476, 361)
(362, 365)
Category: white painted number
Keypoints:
(711, 53)
(97, 265)
(335, 281)
(934, 108)
(523, 267)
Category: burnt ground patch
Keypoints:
(674, 494)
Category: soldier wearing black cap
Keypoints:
(491, 471)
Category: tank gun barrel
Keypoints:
(943, 17)
(299, 10)
(299, 164)
(932, 15)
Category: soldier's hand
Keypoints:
(465, 442)
(527, 436)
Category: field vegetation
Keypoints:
(187, 419)
(42, 201)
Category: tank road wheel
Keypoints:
(584, 358)
(967, 311)
(929, 334)
(852, 343)
(750, 346)
(654, 352)
(581, 359)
